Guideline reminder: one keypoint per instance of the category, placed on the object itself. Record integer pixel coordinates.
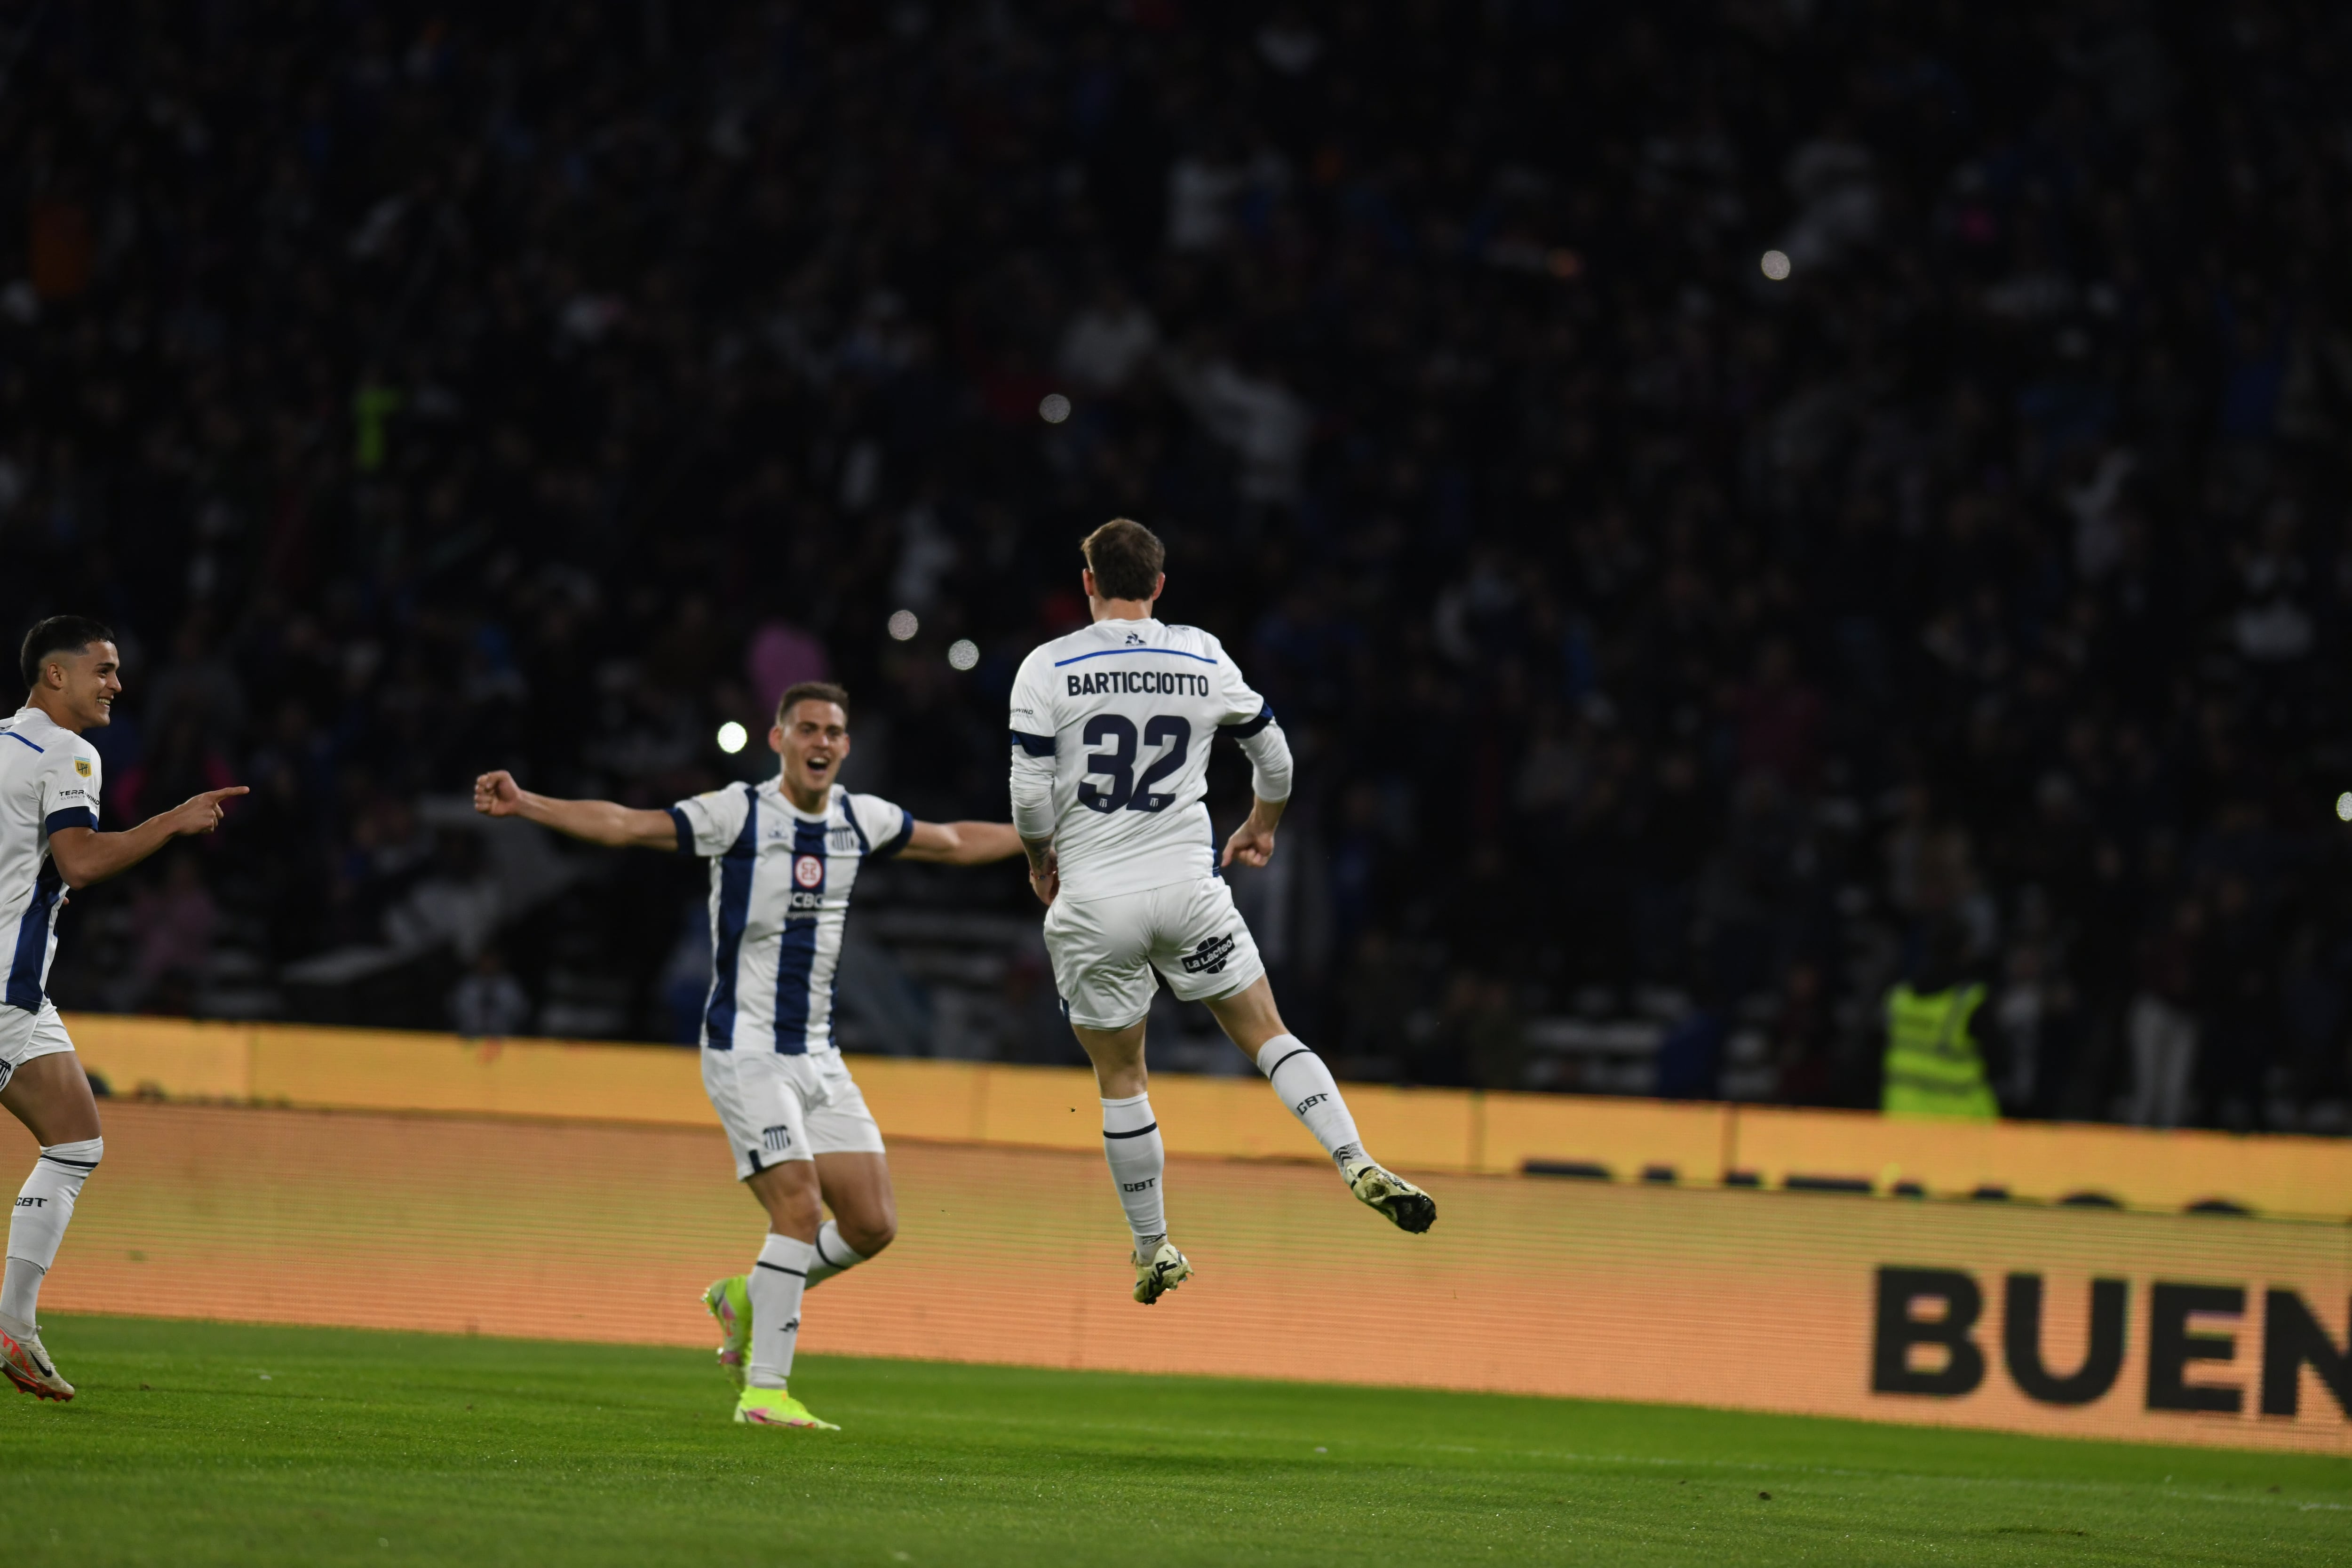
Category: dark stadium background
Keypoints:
(426, 388)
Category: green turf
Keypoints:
(196, 1443)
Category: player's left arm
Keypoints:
(83, 855)
(1250, 723)
(960, 843)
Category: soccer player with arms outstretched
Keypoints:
(1111, 731)
(783, 858)
(49, 841)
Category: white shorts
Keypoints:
(777, 1108)
(24, 1036)
(1105, 950)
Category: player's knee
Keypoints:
(867, 1237)
(82, 1154)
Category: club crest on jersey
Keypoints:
(81, 767)
(808, 870)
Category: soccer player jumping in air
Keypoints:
(1111, 731)
(49, 780)
(783, 858)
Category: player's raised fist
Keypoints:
(497, 794)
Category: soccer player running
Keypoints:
(783, 858)
(49, 841)
(1111, 731)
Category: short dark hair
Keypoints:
(1127, 559)
(58, 633)
(811, 691)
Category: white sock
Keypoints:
(1138, 1161)
(1307, 1086)
(45, 1206)
(775, 1284)
(834, 1256)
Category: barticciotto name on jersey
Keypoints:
(1139, 683)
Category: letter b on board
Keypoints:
(1900, 1328)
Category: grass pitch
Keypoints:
(199, 1443)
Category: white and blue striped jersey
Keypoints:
(780, 883)
(50, 779)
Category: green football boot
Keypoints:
(729, 1302)
(774, 1408)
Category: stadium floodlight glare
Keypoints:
(904, 626)
(2344, 806)
(963, 653)
(1776, 266)
(733, 737)
(1052, 408)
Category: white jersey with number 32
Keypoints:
(1111, 732)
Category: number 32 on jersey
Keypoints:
(1128, 792)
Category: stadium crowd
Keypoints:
(421, 389)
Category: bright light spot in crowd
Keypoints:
(1054, 408)
(2344, 806)
(1776, 265)
(733, 737)
(904, 626)
(963, 653)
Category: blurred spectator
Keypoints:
(488, 1002)
(2164, 1018)
(174, 925)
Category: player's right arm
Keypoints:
(597, 821)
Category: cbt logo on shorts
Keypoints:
(1210, 957)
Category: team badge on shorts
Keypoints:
(808, 870)
(1210, 957)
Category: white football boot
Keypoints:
(1407, 1206)
(1161, 1272)
(28, 1363)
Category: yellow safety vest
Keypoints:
(1932, 1065)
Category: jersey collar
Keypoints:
(773, 788)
